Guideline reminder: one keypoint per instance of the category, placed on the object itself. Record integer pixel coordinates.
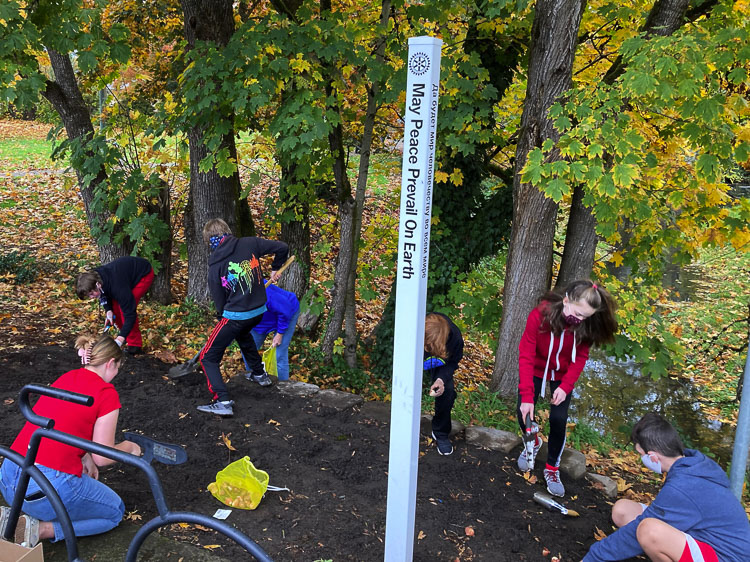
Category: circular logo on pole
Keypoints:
(419, 63)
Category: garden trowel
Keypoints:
(165, 453)
(547, 501)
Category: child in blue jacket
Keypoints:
(695, 516)
(282, 311)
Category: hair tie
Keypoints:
(85, 353)
(593, 286)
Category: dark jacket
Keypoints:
(696, 500)
(455, 349)
(119, 277)
(234, 275)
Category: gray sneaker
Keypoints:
(262, 380)
(219, 408)
(523, 464)
(27, 528)
(554, 485)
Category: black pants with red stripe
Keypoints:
(222, 335)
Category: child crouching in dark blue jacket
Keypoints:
(695, 516)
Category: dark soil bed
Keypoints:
(334, 463)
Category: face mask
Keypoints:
(571, 320)
(651, 464)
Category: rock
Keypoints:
(573, 463)
(425, 426)
(490, 438)
(603, 483)
(295, 388)
(338, 399)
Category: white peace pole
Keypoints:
(423, 78)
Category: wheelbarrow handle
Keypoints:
(67, 395)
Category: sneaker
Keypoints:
(554, 485)
(262, 379)
(443, 444)
(523, 464)
(219, 408)
(27, 529)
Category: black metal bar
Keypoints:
(71, 544)
(68, 396)
(166, 517)
(196, 518)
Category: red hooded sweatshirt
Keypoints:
(545, 355)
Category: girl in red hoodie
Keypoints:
(553, 350)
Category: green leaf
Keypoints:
(708, 167)
(556, 188)
(119, 52)
(86, 61)
(624, 175)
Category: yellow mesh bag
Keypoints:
(240, 484)
(269, 361)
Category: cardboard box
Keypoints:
(10, 552)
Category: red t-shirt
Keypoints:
(69, 418)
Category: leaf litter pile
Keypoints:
(472, 505)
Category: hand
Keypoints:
(527, 408)
(276, 342)
(558, 397)
(275, 276)
(89, 467)
(437, 388)
(110, 319)
(119, 340)
(135, 449)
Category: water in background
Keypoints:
(612, 395)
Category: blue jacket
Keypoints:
(281, 306)
(696, 500)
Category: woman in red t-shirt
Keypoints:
(554, 348)
(92, 506)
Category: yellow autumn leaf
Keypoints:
(227, 442)
(617, 259)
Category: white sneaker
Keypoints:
(27, 529)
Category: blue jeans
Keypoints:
(92, 506)
(282, 351)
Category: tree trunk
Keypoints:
(553, 41)
(580, 242)
(65, 96)
(161, 290)
(350, 314)
(665, 17)
(210, 195)
(346, 208)
(296, 233)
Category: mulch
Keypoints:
(335, 464)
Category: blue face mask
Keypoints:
(651, 464)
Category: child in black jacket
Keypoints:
(236, 285)
(119, 285)
(443, 349)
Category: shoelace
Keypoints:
(552, 475)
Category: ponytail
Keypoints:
(97, 350)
